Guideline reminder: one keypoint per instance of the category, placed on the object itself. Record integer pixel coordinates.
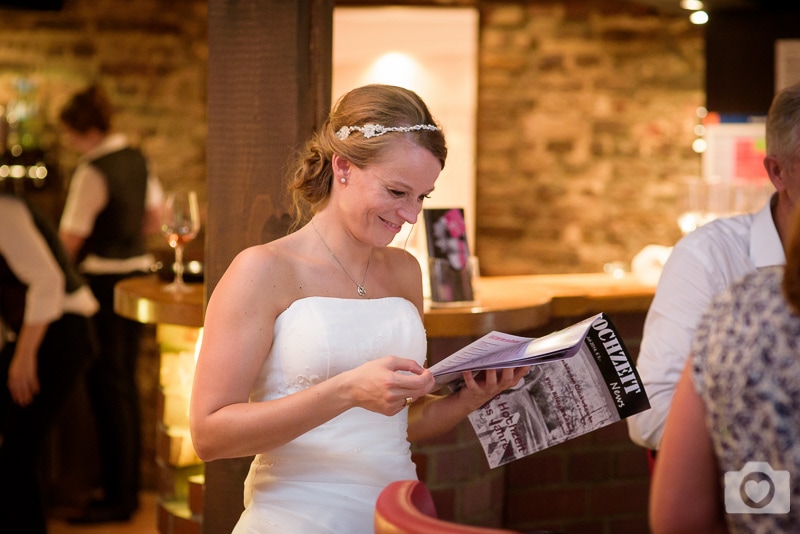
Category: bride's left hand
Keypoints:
(487, 384)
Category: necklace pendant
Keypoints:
(361, 291)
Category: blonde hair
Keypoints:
(386, 105)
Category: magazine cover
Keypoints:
(448, 255)
(562, 399)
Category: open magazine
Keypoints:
(582, 378)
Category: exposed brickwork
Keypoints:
(151, 56)
(585, 117)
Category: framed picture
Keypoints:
(449, 265)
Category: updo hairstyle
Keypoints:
(386, 105)
(88, 110)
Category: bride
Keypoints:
(314, 348)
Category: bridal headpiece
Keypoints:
(375, 130)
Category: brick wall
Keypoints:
(151, 56)
(585, 123)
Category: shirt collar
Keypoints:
(766, 248)
(111, 143)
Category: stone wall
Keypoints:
(586, 112)
(150, 56)
(585, 115)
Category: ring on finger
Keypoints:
(408, 401)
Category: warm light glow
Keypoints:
(698, 17)
(692, 5)
(616, 269)
(699, 145)
(702, 112)
(699, 130)
(395, 68)
(18, 171)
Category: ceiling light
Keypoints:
(692, 5)
(698, 17)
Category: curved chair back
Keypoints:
(407, 507)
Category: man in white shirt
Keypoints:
(47, 343)
(708, 260)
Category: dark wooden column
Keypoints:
(269, 86)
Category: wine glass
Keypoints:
(180, 223)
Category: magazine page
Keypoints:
(561, 400)
(497, 350)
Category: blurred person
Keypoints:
(112, 203)
(45, 307)
(710, 259)
(313, 346)
(730, 454)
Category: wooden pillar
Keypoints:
(269, 87)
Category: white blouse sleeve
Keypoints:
(30, 259)
(87, 196)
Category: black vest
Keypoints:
(12, 290)
(117, 232)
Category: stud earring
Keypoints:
(343, 179)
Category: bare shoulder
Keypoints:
(401, 261)
(262, 273)
(400, 274)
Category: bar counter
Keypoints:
(508, 303)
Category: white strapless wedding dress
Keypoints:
(328, 479)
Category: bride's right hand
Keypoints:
(384, 385)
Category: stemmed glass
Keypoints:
(180, 223)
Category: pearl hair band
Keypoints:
(375, 130)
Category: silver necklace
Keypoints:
(359, 287)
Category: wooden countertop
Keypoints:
(508, 303)
(143, 299)
(583, 294)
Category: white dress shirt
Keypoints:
(702, 264)
(30, 259)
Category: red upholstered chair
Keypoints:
(406, 507)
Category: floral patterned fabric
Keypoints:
(746, 368)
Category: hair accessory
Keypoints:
(375, 130)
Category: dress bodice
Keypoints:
(328, 479)
(316, 338)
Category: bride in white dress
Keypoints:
(313, 349)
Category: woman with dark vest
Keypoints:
(46, 341)
(112, 203)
